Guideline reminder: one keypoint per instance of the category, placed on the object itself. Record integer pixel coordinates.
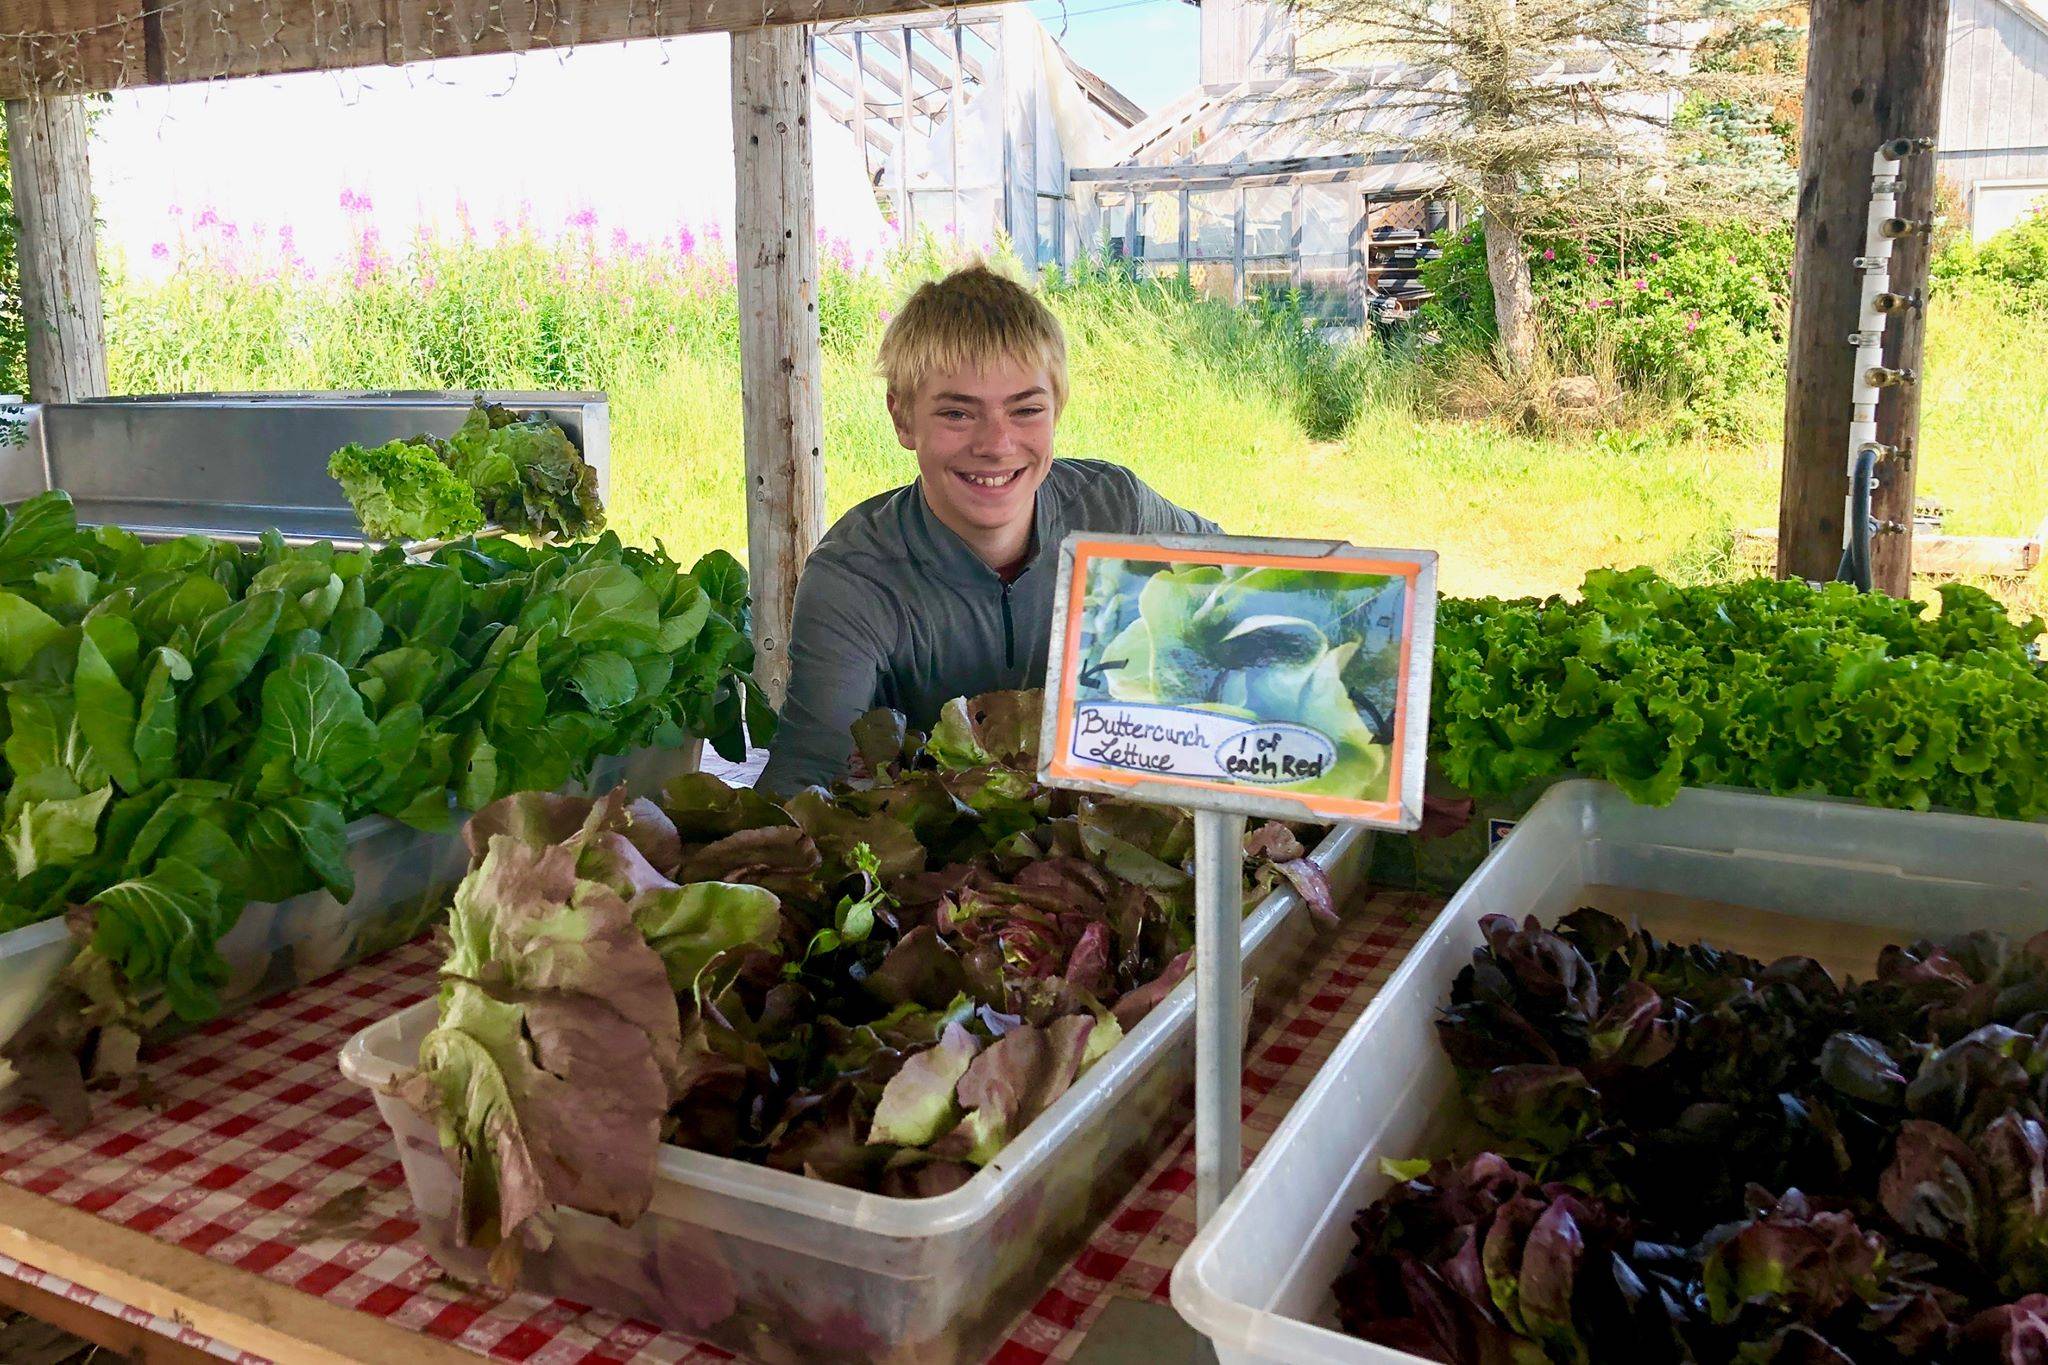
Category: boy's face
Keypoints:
(984, 443)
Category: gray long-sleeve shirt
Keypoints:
(895, 610)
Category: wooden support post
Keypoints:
(60, 273)
(906, 217)
(1873, 73)
(780, 365)
(1905, 344)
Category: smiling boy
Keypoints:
(944, 588)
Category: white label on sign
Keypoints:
(1173, 741)
(1276, 755)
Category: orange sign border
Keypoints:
(1336, 808)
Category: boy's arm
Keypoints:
(836, 663)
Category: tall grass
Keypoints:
(1240, 413)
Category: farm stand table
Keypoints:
(254, 1209)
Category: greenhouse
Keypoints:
(1263, 187)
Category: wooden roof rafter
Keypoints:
(82, 46)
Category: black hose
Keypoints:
(1855, 567)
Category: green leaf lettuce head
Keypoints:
(402, 491)
(527, 475)
(192, 725)
(1781, 687)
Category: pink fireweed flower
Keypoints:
(620, 240)
(1591, 259)
(1641, 285)
(1655, 257)
(583, 218)
(159, 251)
(1549, 253)
(686, 243)
(206, 218)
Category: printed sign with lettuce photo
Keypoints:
(1277, 673)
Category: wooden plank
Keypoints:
(71, 46)
(60, 274)
(840, 113)
(860, 107)
(229, 1305)
(188, 38)
(900, 40)
(906, 212)
(1873, 73)
(1178, 172)
(956, 111)
(1936, 556)
(78, 1322)
(775, 238)
(75, 46)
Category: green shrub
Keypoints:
(1696, 316)
(1268, 344)
(2015, 261)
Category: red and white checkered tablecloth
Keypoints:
(255, 1152)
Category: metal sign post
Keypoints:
(1219, 972)
(1239, 677)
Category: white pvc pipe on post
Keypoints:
(1219, 1003)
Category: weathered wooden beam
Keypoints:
(1102, 94)
(1934, 556)
(781, 396)
(837, 110)
(235, 1307)
(77, 46)
(60, 273)
(1905, 346)
(1175, 172)
(1873, 73)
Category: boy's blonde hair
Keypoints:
(965, 321)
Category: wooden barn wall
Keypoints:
(1994, 109)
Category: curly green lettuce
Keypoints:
(402, 491)
(529, 477)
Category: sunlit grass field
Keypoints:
(1233, 413)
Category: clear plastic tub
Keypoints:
(402, 875)
(785, 1269)
(1768, 876)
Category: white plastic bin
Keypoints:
(1257, 1280)
(403, 876)
(784, 1269)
